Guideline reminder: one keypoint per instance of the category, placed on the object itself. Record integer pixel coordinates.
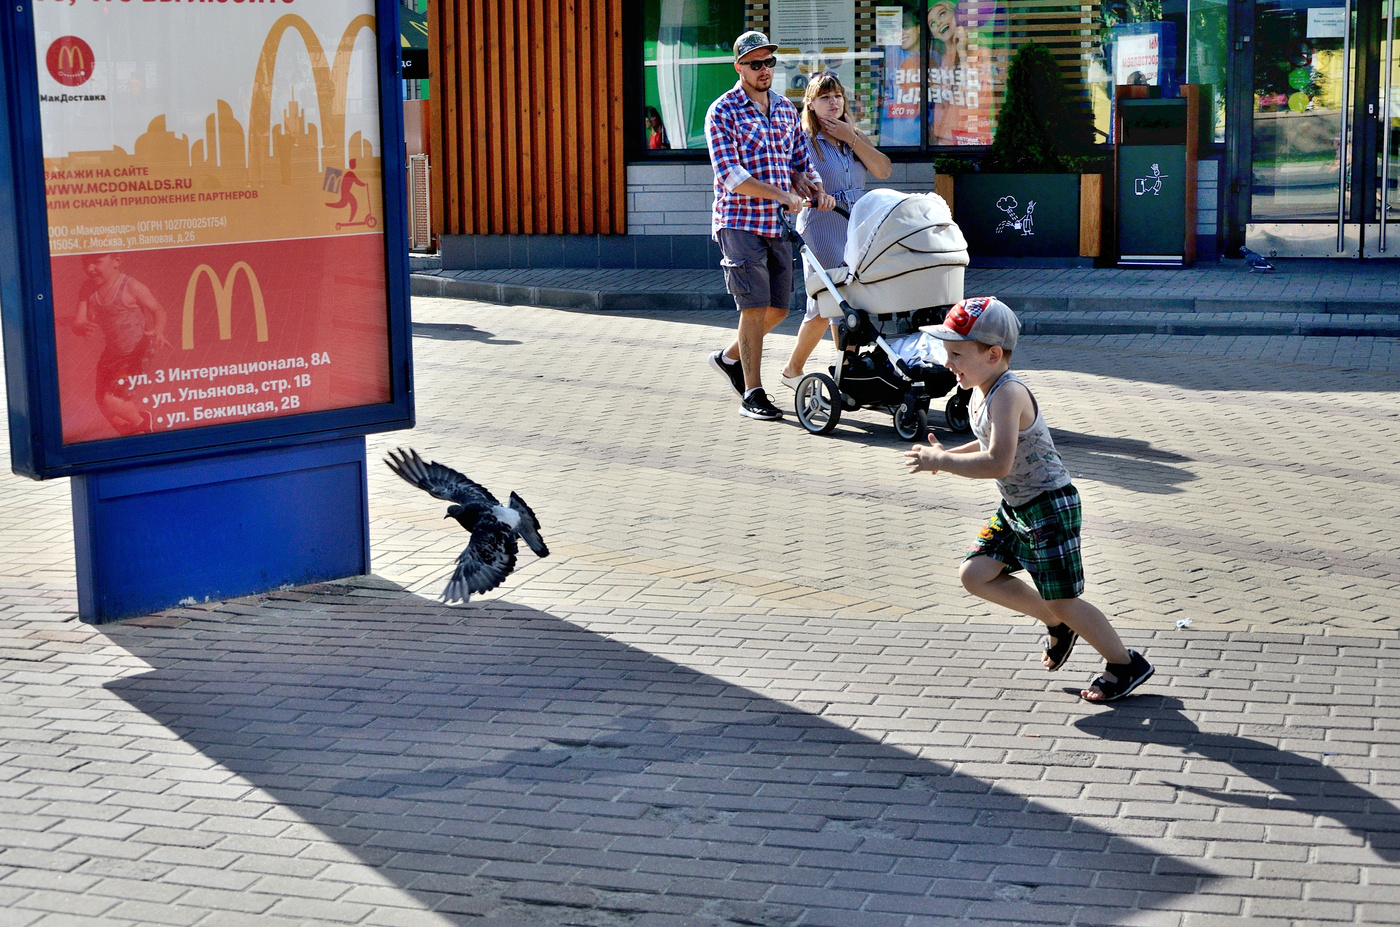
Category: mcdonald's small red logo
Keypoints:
(70, 60)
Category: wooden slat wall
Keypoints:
(527, 117)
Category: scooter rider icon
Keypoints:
(348, 182)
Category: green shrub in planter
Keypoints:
(1037, 129)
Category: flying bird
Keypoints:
(1256, 261)
(490, 555)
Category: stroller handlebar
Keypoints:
(788, 226)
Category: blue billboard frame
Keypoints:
(26, 291)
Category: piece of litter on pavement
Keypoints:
(1183, 622)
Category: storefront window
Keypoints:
(880, 49)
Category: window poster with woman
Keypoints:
(214, 191)
(960, 84)
(959, 80)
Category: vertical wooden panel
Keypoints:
(508, 48)
(943, 186)
(617, 138)
(528, 116)
(587, 167)
(445, 202)
(525, 106)
(495, 173)
(602, 155)
(538, 120)
(476, 114)
(1090, 215)
(569, 118)
(554, 9)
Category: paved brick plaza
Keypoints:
(746, 689)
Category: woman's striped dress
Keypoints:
(843, 176)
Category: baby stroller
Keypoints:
(903, 268)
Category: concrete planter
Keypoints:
(1032, 217)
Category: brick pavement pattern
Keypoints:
(746, 688)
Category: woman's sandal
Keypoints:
(1126, 677)
(1059, 641)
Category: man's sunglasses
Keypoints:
(761, 65)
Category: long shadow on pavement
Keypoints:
(1128, 462)
(496, 760)
(456, 331)
(1299, 783)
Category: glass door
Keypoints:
(1304, 67)
(1324, 130)
(1380, 234)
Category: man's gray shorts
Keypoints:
(757, 269)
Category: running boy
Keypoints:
(1037, 525)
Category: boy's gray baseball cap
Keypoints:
(751, 42)
(979, 318)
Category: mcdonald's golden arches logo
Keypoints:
(223, 302)
(70, 60)
(331, 78)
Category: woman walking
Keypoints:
(842, 154)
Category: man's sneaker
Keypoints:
(734, 372)
(759, 406)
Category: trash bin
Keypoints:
(1156, 171)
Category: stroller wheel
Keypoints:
(955, 412)
(818, 404)
(910, 421)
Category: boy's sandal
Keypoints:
(1059, 641)
(1127, 677)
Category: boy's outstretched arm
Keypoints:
(927, 458)
(1009, 404)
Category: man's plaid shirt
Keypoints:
(744, 143)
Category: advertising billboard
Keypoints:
(223, 220)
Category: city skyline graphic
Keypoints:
(234, 168)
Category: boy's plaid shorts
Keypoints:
(1041, 537)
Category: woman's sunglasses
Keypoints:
(761, 65)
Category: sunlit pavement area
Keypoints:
(746, 687)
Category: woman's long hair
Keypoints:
(819, 86)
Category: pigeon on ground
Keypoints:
(490, 555)
(1256, 261)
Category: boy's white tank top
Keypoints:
(1037, 467)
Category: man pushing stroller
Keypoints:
(761, 167)
(1036, 527)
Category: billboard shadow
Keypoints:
(497, 761)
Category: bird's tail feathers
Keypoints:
(529, 526)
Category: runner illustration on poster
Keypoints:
(131, 322)
(202, 148)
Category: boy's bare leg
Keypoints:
(121, 413)
(986, 579)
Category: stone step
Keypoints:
(633, 290)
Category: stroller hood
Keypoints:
(891, 233)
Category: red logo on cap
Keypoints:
(70, 60)
(965, 314)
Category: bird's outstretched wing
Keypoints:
(439, 480)
(529, 526)
(484, 563)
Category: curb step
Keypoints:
(1066, 315)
